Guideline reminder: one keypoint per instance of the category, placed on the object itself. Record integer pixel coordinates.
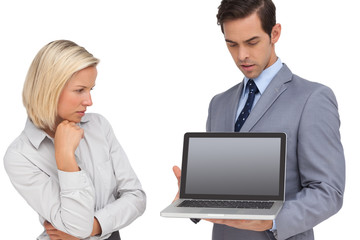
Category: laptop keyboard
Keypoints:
(226, 204)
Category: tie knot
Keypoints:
(252, 86)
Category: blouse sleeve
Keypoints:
(68, 204)
(130, 200)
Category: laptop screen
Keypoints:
(233, 166)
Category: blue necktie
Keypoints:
(248, 105)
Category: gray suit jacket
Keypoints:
(315, 173)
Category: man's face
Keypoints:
(251, 47)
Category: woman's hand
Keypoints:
(96, 228)
(55, 234)
(67, 139)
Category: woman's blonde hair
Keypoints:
(50, 70)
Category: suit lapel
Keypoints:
(276, 87)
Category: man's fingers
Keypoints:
(177, 172)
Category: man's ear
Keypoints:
(275, 33)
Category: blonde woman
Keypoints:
(67, 164)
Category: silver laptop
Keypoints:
(231, 176)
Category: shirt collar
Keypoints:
(263, 80)
(34, 134)
(37, 135)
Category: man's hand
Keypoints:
(252, 225)
(55, 234)
(177, 173)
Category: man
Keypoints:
(283, 102)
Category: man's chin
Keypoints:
(250, 74)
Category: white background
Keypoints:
(161, 62)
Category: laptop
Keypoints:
(231, 176)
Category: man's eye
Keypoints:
(252, 43)
(232, 45)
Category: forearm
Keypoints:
(66, 162)
(65, 199)
(122, 211)
(130, 201)
(308, 208)
(76, 209)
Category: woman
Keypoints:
(68, 164)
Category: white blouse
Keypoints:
(106, 187)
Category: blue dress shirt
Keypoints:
(262, 81)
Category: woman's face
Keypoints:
(76, 97)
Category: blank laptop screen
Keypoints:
(233, 166)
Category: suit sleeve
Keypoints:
(130, 202)
(321, 166)
(208, 121)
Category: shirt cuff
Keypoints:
(274, 226)
(105, 220)
(274, 230)
(69, 181)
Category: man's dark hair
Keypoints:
(234, 9)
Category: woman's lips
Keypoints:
(81, 113)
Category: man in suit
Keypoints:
(282, 102)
